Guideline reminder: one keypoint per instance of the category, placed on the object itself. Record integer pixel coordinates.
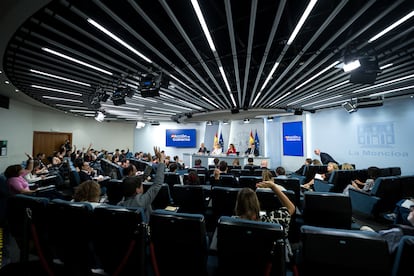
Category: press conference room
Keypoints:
(289, 78)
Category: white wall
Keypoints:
(379, 136)
(19, 121)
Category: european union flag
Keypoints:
(256, 141)
(221, 142)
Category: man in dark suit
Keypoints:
(325, 158)
(202, 148)
(252, 150)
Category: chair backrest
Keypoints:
(322, 186)
(269, 200)
(17, 218)
(246, 171)
(140, 165)
(228, 180)
(329, 251)
(407, 186)
(119, 239)
(190, 198)
(327, 210)
(395, 171)
(312, 170)
(341, 178)
(383, 172)
(70, 231)
(258, 171)
(292, 184)
(223, 201)
(179, 242)
(389, 190)
(4, 194)
(404, 257)
(114, 191)
(235, 172)
(249, 181)
(74, 178)
(171, 179)
(163, 198)
(246, 247)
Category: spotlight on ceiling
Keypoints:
(235, 111)
(209, 123)
(349, 107)
(118, 97)
(189, 115)
(367, 72)
(352, 65)
(140, 125)
(155, 123)
(246, 121)
(100, 116)
(105, 97)
(225, 122)
(270, 119)
(150, 84)
(298, 112)
(129, 92)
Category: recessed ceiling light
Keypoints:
(6, 82)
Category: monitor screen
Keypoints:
(181, 138)
(293, 139)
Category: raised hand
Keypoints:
(28, 156)
(159, 155)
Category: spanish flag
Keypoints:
(251, 139)
(215, 139)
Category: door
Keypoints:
(48, 142)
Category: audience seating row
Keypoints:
(115, 238)
(75, 233)
(386, 192)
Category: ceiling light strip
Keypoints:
(392, 26)
(324, 100)
(269, 76)
(190, 104)
(59, 78)
(117, 39)
(177, 106)
(210, 102)
(82, 111)
(76, 61)
(71, 106)
(384, 83)
(337, 85)
(159, 112)
(302, 99)
(386, 66)
(332, 103)
(203, 24)
(225, 79)
(279, 99)
(62, 99)
(317, 75)
(391, 91)
(120, 107)
(301, 21)
(55, 90)
(144, 99)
